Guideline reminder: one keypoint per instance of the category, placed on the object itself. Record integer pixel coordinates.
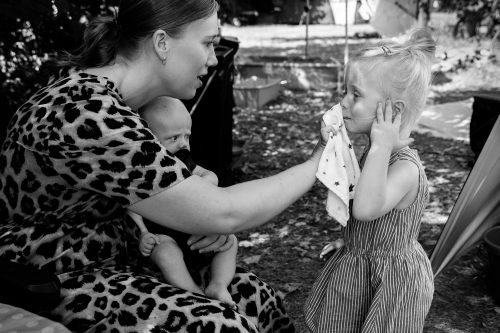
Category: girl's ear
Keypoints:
(398, 106)
(161, 44)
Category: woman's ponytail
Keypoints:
(135, 20)
(100, 44)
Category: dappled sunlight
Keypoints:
(448, 120)
(254, 239)
(324, 41)
(266, 35)
(434, 217)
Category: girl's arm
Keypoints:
(381, 188)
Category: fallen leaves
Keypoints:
(285, 252)
(252, 259)
(254, 239)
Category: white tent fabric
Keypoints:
(477, 208)
(447, 120)
(393, 18)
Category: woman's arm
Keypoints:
(198, 207)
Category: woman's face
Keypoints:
(359, 104)
(190, 56)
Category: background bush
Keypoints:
(31, 34)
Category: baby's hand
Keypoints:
(385, 130)
(147, 243)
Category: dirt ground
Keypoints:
(285, 252)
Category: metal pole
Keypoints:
(307, 25)
(346, 51)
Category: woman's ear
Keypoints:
(161, 44)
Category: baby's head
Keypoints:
(399, 71)
(170, 121)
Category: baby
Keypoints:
(171, 122)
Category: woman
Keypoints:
(77, 155)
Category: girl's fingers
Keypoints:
(388, 110)
(397, 119)
(380, 114)
(405, 142)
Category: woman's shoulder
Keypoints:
(76, 105)
(75, 90)
(78, 87)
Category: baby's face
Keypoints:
(173, 131)
(359, 105)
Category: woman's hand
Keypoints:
(325, 132)
(385, 130)
(215, 243)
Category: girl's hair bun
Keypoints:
(421, 39)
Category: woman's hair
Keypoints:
(135, 20)
(403, 70)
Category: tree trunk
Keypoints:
(423, 13)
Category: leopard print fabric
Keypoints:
(75, 157)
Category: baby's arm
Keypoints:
(381, 188)
(148, 240)
(210, 176)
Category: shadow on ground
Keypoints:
(285, 251)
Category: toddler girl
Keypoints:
(381, 280)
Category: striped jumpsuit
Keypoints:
(381, 281)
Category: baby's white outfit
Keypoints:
(338, 168)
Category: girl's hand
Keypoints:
(385, 130)
(147, 243)
(215, 243)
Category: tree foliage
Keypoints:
(31, 34)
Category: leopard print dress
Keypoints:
(75, 157)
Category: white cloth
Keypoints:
(338, 168)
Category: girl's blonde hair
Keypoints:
(403, 69)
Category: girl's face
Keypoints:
(190, 56)
(359, 105)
